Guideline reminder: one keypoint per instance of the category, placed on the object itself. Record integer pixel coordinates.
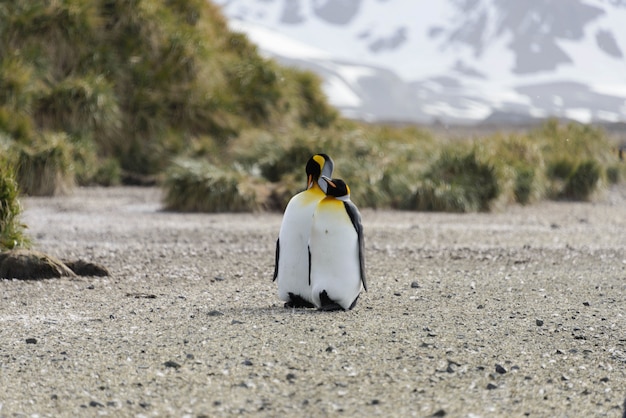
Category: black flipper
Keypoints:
(354, 302)
(297, 301)
(309, 250)
(327, 304)
(355, 217)
(276, 259)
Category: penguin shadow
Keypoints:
(274, 310)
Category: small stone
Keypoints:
(290, 376)
(31, 340)
(500, 369)
(171, 364)
(375, 402)
(330, 349)
(247, 362)
(415, 285)
(235, 322)
(564, 378)
(95, 404)
(440, 413)
(604, 379)
(491, 386)
(215, 313)
(586, 303)
(539, 322)
(397, 294)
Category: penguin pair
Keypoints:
(319, 251)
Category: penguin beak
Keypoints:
(329, 181)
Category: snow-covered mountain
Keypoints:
(454, 61)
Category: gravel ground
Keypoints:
(518, 313)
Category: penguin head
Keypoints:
(317, 166)
(337, 188)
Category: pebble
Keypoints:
(500, 369)
(215, 313)
(171, 364)
(491, 386)
(415, 285)
(539, 322)
(31, 340)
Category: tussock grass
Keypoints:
(45, 169)
(457, 182)
(12, 233)
(195, 186)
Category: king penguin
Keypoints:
(291, 270)
(336, 250)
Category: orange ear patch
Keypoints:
(319, 160)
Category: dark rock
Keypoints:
(141, 295)
(85, 268)
(375, 402)
(215, 313)
(491, 386)
(247, 362)
(539, 322)
(31, 340)
(95, 404)
(500, 369)
(31, 265)
(171, 364)
(604, 379)
(586, 303)
(440, 413)
(290, 376)
(415, 285)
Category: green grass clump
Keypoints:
(583, 181)
(613, 174)
(457, 182)
(45, 168)
(195, 186)
(11, 229)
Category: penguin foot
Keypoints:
(327, 304)
(297, 301)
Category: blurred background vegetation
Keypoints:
(107, 92)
